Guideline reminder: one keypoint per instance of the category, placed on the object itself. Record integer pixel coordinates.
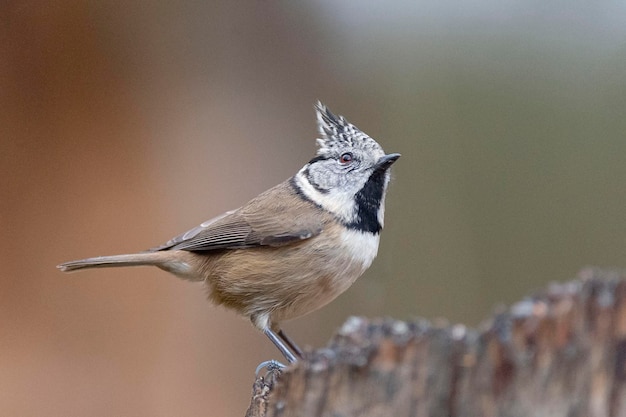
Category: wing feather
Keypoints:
(276, 217)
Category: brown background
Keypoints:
(125, 123)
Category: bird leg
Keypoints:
(280, 344)
(292, 345)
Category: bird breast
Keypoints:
(288, 282)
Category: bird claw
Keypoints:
(271, 365)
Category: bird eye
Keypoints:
(346, 157)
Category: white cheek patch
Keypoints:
(339, 203)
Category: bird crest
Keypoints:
(337, 133)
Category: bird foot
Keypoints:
(271, 365)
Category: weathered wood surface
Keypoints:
(561, 352)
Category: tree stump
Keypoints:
(561, 352)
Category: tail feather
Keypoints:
(148, 258)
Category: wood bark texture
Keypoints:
(561, 352)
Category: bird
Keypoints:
(295, 247)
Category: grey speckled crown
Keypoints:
(338, 133)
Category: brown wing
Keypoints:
(276, 217)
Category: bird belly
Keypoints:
(287, 282)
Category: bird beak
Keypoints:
(386, 161)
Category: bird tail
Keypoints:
(134, 259)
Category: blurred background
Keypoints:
(123, 124)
